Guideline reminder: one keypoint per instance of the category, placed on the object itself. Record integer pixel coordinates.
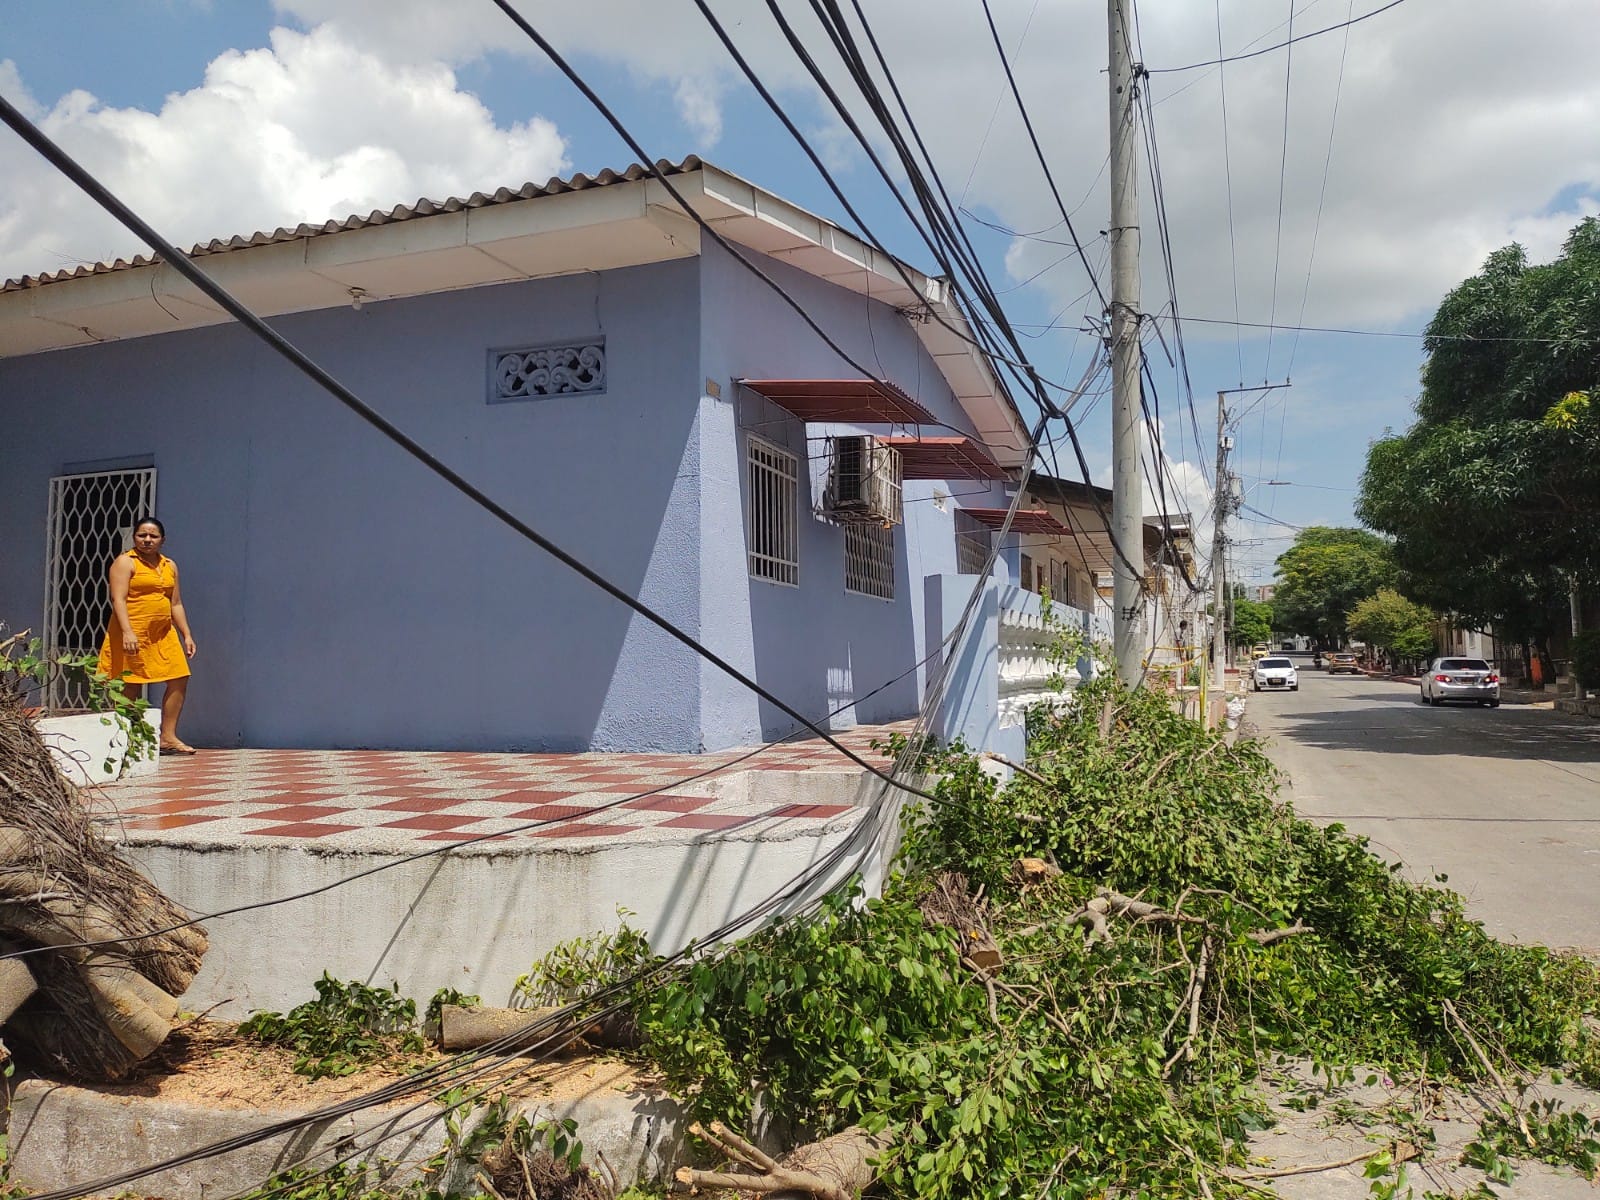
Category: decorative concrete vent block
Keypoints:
(532, 373)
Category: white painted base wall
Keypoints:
(477, 917)
(90, 747)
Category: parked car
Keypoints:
(1274, 673)
(1469, 679)
(1343, 660)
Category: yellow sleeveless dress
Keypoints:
(160, 654)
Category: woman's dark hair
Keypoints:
(160, 528)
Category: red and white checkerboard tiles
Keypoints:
(391, 799)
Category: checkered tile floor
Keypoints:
(388, 799)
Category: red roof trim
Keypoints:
(944, 458)
(1027, 520)
(846, 401)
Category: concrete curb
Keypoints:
(65, 1136)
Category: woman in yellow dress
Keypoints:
(148, 638)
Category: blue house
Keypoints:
(587, 356)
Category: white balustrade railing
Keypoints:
(1028, 672)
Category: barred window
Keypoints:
(973, 541)
(869, 560)
(772, 525)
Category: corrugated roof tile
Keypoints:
(423, 207)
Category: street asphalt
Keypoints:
(1505, 801)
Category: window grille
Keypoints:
(1060, 582)
(528, 374)
(972, 544)
(90, 522)
(869, 560)
(772, 528)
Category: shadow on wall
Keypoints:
(821, 647)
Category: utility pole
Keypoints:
(1127, 491)
(1219, 514)
(1222, 505)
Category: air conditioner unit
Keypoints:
(863, 481)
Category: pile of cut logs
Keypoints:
(92, 954)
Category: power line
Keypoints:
(1322, 194)
(1283, 169)
(995, 111)
(1038, 151)
(1217, 62)
(1316, 230)
(1377, 333)
(943, 218)
(1227, 174)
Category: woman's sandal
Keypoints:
(177, 748)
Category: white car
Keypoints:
(1470, 679)
(1274, 673)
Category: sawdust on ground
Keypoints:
(207, 1063)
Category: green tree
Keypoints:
(1389, 621)
(1252, 622)
(1324, 575)
(1493, 495)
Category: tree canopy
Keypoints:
(1493, 495)
(1324, 575)
(1252, 622)
(1388, 620)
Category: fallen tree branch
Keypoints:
(1191, 1001)
(1266, 937)
(1017, 767)
(835, 1168)
(1512, 1101)
(1402, 1154)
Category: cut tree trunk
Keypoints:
(836, 1168)
(467, 1028)
(92, 1011)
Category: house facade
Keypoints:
(591, 359)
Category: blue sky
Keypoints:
(1416, 143)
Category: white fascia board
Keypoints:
(774, 226)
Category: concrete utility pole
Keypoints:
(1127, 491)
(1219, 514)
(1222, 505)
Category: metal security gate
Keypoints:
(90, 522)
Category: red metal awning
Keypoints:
(944, 458)
(1027, 520)
(847, 401)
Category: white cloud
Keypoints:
(1455, 128)
(699, 106)
(308, 129)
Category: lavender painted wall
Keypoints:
(343, 596)
(816, 645)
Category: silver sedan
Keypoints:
(1469, 679)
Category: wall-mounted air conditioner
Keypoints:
(863, 481)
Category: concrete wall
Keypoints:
(343, 596)
(820, 648)
(475, 917)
